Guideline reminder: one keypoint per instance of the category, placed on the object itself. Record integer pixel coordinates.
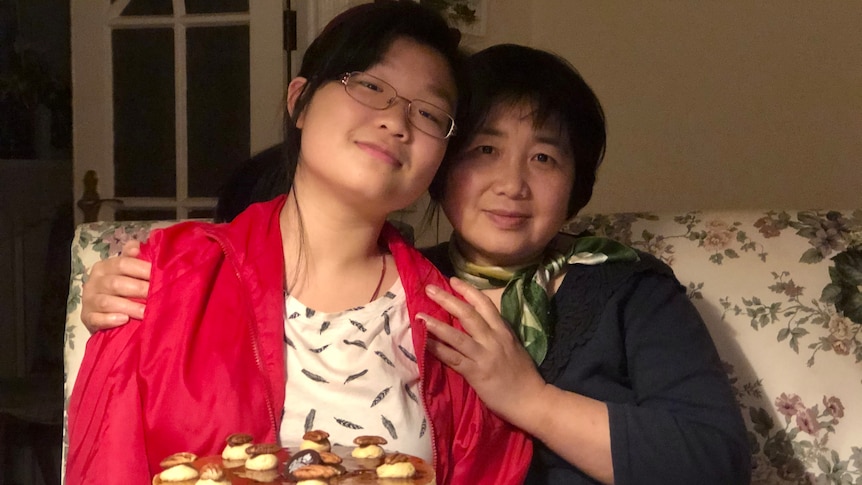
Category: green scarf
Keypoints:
(525, 303)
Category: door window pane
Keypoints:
(218, 105)
(145, 215)
(148, 7)
(201, 214)
(144, 119)
(216, 6)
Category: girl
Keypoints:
(301, 313)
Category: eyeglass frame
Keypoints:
(345, 78)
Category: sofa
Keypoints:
(781, 294)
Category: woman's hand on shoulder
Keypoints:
(112, 282)
(487, 353)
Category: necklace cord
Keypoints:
(380, 282)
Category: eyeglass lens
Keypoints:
(378, 94)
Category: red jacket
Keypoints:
(208, 361)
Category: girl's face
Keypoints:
(374, 159)
(506, 195)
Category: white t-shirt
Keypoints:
(354, 373)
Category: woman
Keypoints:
(256, 326)
(620, 381)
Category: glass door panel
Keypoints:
(144, 113)
(163, 110)
(218, 105)
(148, 7)
(217, 6)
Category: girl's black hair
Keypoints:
(355, 40)
(506, 75)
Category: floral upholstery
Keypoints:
(92, 242)
(780, 291)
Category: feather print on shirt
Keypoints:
(355, 376)
(347, 424)
(370, 352)
(383, 356)
(357, 343)
(314, 377)
(410, 393)
(410, 356)
(359, 325)
(309, 420)
(382, 394)
(389, 427)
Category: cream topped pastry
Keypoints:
(178, 468)
(318, 474)
(212, 474)
(368, 447)
(262, 457)
(316, 440)
(396, 465)
(237, 447)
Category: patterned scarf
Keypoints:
(525, 303)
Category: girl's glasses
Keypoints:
(378, 94)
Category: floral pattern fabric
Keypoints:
(781, 293)
(92, 242)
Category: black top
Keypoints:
(627, 334)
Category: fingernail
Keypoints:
(424, 318)
(432, 290)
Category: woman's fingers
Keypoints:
(477, 300)
(131, 248)
(471, 317)
(105, 296)
(458, 340)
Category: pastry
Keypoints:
(269, 464)
(236, 450)
(396, 465)
(178, 470)
(316, 440)
(213, 474)
(368, 447)
(262, 463)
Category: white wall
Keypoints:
(713, 104)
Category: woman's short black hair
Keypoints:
(507, 75)
(358, 39)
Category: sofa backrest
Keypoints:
(780, 293)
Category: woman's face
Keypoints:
(506, 195)
(375, 159)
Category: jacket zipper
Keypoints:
(254, 336)
(434, 458)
